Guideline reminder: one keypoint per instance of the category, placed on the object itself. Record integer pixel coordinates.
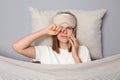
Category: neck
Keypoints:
(63, 45)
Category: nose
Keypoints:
(64, 31)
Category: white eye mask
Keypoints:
(64, 18)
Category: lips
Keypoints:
(64, 36)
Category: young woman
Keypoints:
(65, 48)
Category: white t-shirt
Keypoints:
(46, 55)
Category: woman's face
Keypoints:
(65, 34)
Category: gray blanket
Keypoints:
(102, 69)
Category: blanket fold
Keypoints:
(106, 68)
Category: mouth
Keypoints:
(64, 36)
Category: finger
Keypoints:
(71, 42)
(63, 29)
(54, 27)
(74, 40)
(59, 29)
(73, 36)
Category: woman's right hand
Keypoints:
(53, 29)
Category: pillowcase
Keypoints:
(88, 29)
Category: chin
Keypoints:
(64, 40)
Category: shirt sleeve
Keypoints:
(84, 54)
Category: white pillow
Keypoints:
(88, 30)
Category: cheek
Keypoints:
(69, 34)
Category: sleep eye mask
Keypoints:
(64, 18)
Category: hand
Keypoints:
(53, 29)
(75, 48)
(75, 45)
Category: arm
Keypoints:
(77, 59)
(23, 45)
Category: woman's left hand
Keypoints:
(75, 48)
(74, 44)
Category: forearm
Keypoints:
(27, 40)
(77, 60)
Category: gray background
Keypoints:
(15, 21)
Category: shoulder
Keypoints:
(83, 47)
(84, 53)
(83, 50)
